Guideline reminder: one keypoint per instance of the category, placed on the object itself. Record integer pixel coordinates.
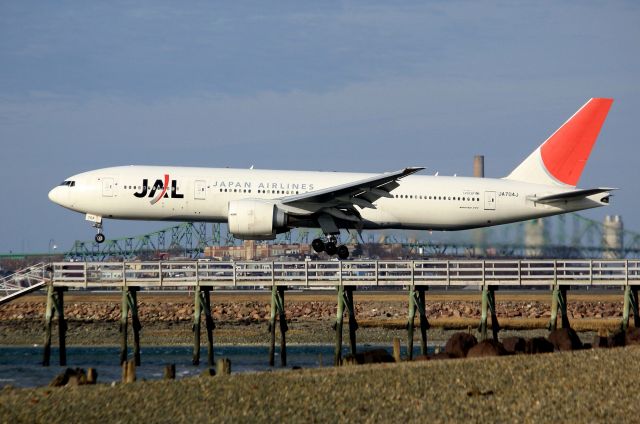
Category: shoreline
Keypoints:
(590, 386)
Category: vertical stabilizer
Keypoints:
(562, 157)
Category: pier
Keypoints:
(203, 277)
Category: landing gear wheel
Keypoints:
(343, 252)
(100, 238)
(330, 248)
(318, 245)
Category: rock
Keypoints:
(487, 348)
(70, 377)
(538, 345)
(617, 339)
(632, 337)
(209, 372)
(459, 344)
(514, 345)
(600, 341)
(565, 339)
(441, 355)
(375, 356)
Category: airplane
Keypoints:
(258, 204)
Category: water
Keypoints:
(21, 366)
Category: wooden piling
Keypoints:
(483, 313)
(424, 323)
(210, 325)
(55, 304)
(337, 361)
(272, 326)
(283, 326)
(559, 303)
(635, 306)
(92, 376)
(495, 326)
(135, 322)
(197, 305)
(410, 322)
(223, 366)
(129, 371)
(562, 304)
(277, 309)
(630, 302)
(353, 324)
(48, 318)
(489, 305)
(396, 349)
(170, 372)
(62, 325)
(124, 320)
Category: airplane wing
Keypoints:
(570, 195)
(360, 193)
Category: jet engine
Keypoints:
(255, 219)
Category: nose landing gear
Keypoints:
(330, 247)
(99, 238)
(97, 223)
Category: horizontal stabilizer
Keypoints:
(570, 195)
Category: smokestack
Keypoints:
(478, 166)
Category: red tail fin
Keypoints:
(562, 157)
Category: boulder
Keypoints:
(441, 355)
(459, 344)
(375, 356)
(565, 339)
(514, 345)
(600, 341)
(538, 345)
(487, 348)
(70, 377)
(632, 337)
(617, 339)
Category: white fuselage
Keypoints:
(203, 194)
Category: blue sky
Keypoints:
(302, 85)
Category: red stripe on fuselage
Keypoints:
(164, 190)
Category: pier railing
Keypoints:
(347, 273)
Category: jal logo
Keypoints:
(161, 187)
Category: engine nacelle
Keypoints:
(255, 219)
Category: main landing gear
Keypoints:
(330, 247)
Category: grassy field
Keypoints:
(572, 387)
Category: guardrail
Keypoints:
(347, 273)
(22, 282)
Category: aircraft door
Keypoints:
(200, 190)
(107, 187)
(489, 200)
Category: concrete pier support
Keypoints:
(417, 301)
(630, 302)
(202, 303)
(345, 300)
(129, 304)
(277, 308)
(559, 302)
(55, 304)
(489, 302)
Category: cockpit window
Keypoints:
(68, 183)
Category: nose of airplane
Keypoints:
(55, 196)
